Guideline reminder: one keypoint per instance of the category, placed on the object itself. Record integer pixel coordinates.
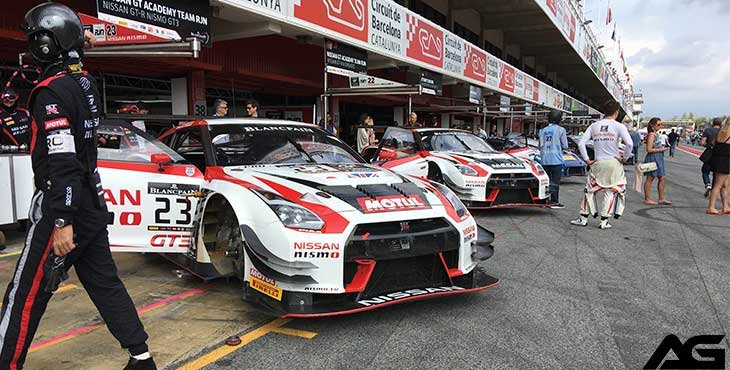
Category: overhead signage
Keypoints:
(276, 8)
(108, 33)
(167, 19)
(493, 69)
(507, 77)
(475, 94)
(454, 53)
(345, 17)
(519, 84)
(504, 103)
(387, 26)
(476, 63)
(425, 41)
(371, 82)
(346, 57)
(432, 83)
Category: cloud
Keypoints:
(722, 5)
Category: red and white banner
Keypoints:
(347, 17)
(507, 78)
(476, 63)
(425, 42)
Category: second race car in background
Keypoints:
(481, 176)
(530, 149)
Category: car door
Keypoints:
(399, 151)
(149, 189)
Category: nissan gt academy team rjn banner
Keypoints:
(386, 28)
(160, 19)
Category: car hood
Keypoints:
(362, 187)
(496, 161)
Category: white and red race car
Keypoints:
(292, 211)
(480, 176)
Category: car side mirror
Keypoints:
(161, 159)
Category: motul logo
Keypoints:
(392, 203)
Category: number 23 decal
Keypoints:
(162, 215)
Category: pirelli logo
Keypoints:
(265, 288)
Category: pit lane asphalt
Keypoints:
(570, 297)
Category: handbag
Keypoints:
(706, 156)
(646, 167)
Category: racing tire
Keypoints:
(228, 255)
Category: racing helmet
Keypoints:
(555, 116)
(9, 97)
(52, 30)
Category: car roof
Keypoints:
(213, 121)
(430, 129)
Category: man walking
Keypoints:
(708, 136)
(553, 140)
(673, 141)
(68, 212)
(606, 175)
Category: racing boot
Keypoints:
(135, 364)
(581, 221)
(604, 224)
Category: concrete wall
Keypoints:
(468, 18)
(441, 5)
(496, 37)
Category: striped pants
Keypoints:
(26, 298)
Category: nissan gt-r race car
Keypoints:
(293, 212)
(529, 149)
(481, 176)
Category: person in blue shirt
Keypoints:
(553, 140)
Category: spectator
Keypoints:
(673, 138)
(636, 138)
(221, 108)
(479, 131)
(412, 120)
(329, 124)
(553, 141)
(655, 153)
(720, 164)
(252, 108)
(708, 137)
(365, 135)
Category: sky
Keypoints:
(677, 52)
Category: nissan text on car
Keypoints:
(479, 175)
(309, 228)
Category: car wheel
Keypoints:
(228, 252)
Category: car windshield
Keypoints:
(455, 142)
(277, 144)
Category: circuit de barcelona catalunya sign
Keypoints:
(389, 29)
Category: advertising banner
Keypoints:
(507, 77)
(425, 41)
(475, 94)
(504, 103)
(529, 86)
(107, 33)
(432, 82)
(454, 53)
(167, 19)
(387, 27)
(493, 70)
(476, 63)
(347, 57)
(275, 8)
(371, 82)
(519, 84)
(347, 17)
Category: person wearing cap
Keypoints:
(68, 214)
(14, 121)
(553, 141)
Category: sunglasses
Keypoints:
(223, 107)
(249, 107)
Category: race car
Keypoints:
(309, 228)
(481, 176)
(529, 149)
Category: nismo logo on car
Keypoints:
(392, 203)
(316, 250)
(374, 301)
(277, 128)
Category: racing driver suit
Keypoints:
(14, 126)
(63, 149)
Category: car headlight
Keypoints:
(466, 170)
(459, 207)
(291, 214)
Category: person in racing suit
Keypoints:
(606, 176)
(14, 121)
(68, 212)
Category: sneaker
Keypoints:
(134, 364)
(708, 189)
(604, 225)
(557, 206)
(582, 221)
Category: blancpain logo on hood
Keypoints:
(392, 203)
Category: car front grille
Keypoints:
(391, 240)
(406, 273)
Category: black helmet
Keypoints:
(555, 116)
(52, 29)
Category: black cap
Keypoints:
(53, 29)
(555, 116)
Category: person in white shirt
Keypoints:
(365, 135)
(606, 178)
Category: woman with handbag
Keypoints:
(655, 153)
(720, 164)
